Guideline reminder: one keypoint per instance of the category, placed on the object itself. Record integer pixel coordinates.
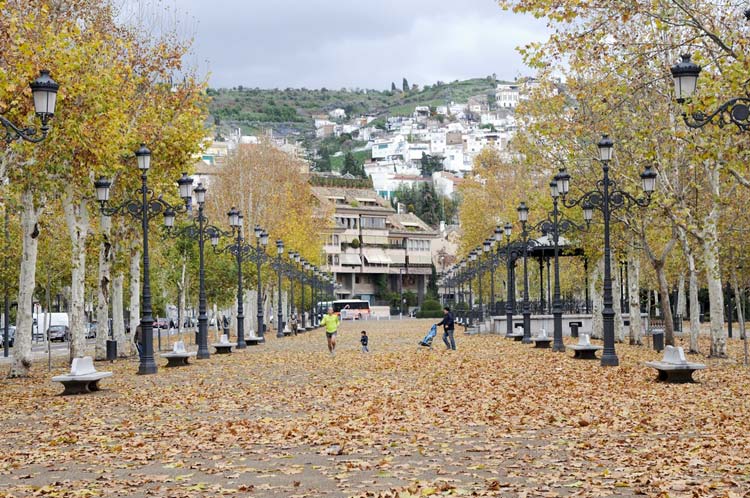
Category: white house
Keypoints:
(507, 96)
(337, 114)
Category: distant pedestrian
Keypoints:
(448, 323)
(364, 340)
(138, 340)
(293, 323)
(331, 323)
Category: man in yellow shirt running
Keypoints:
(331, 323)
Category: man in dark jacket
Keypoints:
(448, 324)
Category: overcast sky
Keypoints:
(354, 43)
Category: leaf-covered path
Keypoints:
(495, 418)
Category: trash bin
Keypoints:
(574, 330)
(657, 339)
(111, 350)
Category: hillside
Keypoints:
(290, 111)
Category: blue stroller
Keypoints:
(427, 341)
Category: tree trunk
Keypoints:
(634, 277)
(617, 302)
(713, 268)
(740, 311)
(181, 288)
(118, 320)
(134, 304)
(695, 311)
(77, 219)
(681, 302)
(26, 283)
(597, 300)
(103, 289)
(666, 307)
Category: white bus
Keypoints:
(351, 309)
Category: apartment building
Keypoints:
(371, 244)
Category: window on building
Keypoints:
(370, 222)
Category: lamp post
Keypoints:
(478, 270)
(238, 249)
(557, 226)
(279, 270)
(607, 197)
(199, 233)
(735, 110)
(291, 272)
(510, 294)
(144, 209)
(44, 91)
(523, 217)
(258, 256)
(492, 261)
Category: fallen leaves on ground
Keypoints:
(495, 418)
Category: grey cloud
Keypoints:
(339, 43)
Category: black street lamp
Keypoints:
(44, 91)
(491, 261)
(279, 270)
(144, 209)
(509, 302)
(735, 110)
(606, 197)
(557, 226)
(238, 249)
(198, 233)
(523, 217)
(258, 256)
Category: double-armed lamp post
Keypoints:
(239, 249)
(606, 197)
(144, 209)
(198, 231)
(279, 266)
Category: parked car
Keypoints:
(11, 335)
(58, 333)
(161, 323)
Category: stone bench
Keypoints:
(223, 346)
(83, 377)
(584, 350)
(253, 340)
(287, 331)
(674, 367)
(542, 341)
(179, 356)
(517, 334)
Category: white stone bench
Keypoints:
(287, 331)
(674, 367)
(253, 340)
(83, 377)
(517, 334)
(179, 356)
(223, 346)
(542, 341)
(584, 350)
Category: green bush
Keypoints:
(431, 305)
(430, 313)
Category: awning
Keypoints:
(376, 256)
(420, 259)
(397, 256)
(348, 259)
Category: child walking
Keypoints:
(364, 340)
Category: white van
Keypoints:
(57, 324)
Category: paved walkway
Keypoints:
(495, 418)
